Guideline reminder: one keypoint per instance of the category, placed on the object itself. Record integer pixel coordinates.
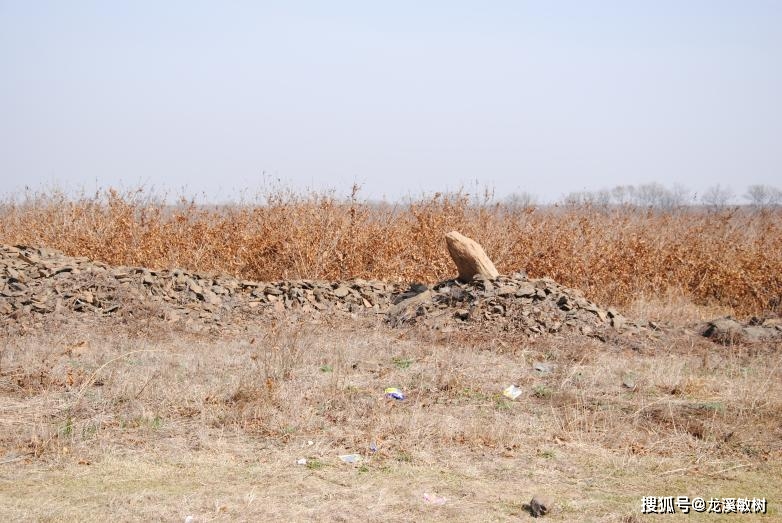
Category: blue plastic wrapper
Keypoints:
(393, 392)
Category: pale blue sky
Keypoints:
(402, 97)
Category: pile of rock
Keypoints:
(45, 281)
(514, 303)
(37, 281)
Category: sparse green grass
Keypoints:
(541, 391)
(315, 464)
(402, 363)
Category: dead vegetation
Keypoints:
(730, 257)
(127, 416)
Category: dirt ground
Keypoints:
(129, 421)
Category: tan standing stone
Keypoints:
(469, 257)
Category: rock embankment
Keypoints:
(46, 281)
(38, 281)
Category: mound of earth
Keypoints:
(38, 282)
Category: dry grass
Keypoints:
(731, 258)
(102, 423)
(136, 420)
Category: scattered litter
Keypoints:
(512, 392)
(350, 458)
(393, 392)
(434, 500)
(301, 461)
(373, 446)
(190, 519)
(310, 443)
(543, 368)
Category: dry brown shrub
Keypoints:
(731, 257)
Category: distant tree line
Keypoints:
(658, 196)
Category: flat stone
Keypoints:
(525, 290)
(544, 368)
(341, 291)
(209, 297)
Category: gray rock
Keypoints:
(628, 380)
(540, 506)
(544, 368)
(341, 291)
(724, 330)
(617, 321)
(564, 303)
(755, 333)
(525, 290)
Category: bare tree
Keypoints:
(521, 200)
(656, 195)
(763, 195)
(579, 198)
(649, 195)
(603, 197)
(717, 196)
(681, 195)
(623, 194)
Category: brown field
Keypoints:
(113, 423)
(730, 257)
(128, 417)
